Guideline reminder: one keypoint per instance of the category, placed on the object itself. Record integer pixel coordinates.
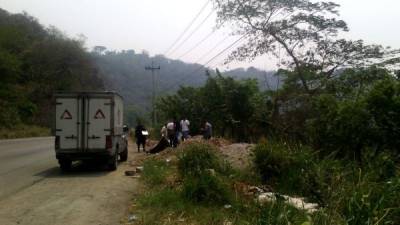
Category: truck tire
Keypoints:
(124, 155)
(65, 164)
(113, 162)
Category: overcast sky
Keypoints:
(154, 25)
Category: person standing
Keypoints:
(207, 130)
(185, 123)
(140, 137)
(178, 131)
(171, 133)
(164, 131)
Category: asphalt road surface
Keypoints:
(34, 191)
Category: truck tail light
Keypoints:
(57, 142)
(108, 142)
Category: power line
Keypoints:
(205, 55)
(192, 33)
(198, 44)
(212, 49)
(188, 27)
(209, 61)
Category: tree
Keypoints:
(306, 31)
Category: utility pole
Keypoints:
(153, 68)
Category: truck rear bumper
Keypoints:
(83, 155)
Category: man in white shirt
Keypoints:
(185, 129)
(171, 134)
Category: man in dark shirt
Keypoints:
(140, 137)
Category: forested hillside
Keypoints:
(35, 61)
(126, 71)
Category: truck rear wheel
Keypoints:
(113, 162)
(124, 155)
(65, 164)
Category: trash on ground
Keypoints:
(132, 218)
(227, 206)
(139, 169)
(130, 173)
(298, 203)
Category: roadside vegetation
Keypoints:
(196, 185)
(36, 61)
(329, 133)
(24, 131)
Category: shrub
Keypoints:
(154, 171)
(206, 188)
(24, 131)
(278, 213)
(366, 202)
(196, 158)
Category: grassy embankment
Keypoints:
(196, 186)
(24, 131)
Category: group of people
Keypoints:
(172, 132)
(175, 131)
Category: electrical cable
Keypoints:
(188, 27)
(192, 33)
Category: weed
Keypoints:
(196, 158)
(206, 188)
(24, 131)
(154, 172)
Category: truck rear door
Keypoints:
(68, 123)
(99, 123)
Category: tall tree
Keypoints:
(306, 31)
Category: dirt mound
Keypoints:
(237, 154)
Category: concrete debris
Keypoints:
(132, 218)
(139, 169)
(227, 222)
(298, 203)
(227, 206)
(211, 171)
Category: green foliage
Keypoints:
(278, 213)
(206, 188)
(24, 131)
(166, 199)
(154, 172)
(352, 126)
(237, 109)
(347, 191)
(196, 164)
(35, 62)
(196, 158)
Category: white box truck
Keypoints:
(89, 126)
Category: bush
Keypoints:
(196, 158)
(206, 188)
(24, 131)
(297, 170)
(196, 164)
(278, 213)
(366, 202)
(154, 172)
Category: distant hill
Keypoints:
(124, 71)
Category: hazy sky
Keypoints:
(153, 25)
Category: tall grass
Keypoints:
(24, 131)
(349, 193)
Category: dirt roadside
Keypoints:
(86, 195)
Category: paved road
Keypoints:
(34, 191)
(22, 162)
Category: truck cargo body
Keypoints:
(89, 125)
